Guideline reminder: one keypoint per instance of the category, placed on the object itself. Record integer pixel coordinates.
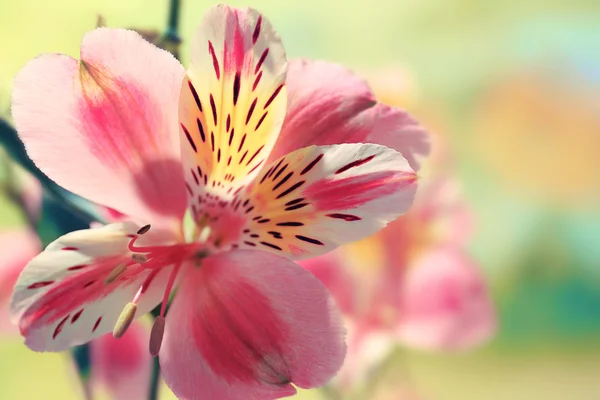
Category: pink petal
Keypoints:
(233, 103)
(445, 303)
(62, 297)
(328, 104)
(246, 324)
(105, 127)
(320, 197)
(332, 272)
(123, 365)
(17, 247)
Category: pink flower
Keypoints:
(127, 128)
(422, 289)
(123, 366)
(18, 246)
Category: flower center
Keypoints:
(154, 258)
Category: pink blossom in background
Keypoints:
(249, 146)
(123, 366)
(413, 283)
(17, 246)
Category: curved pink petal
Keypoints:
(123, 365)
(246, 325)
(17, 247)
(445, 303)
(328, 104)
(332, 272)
(105, 127)
(320, 197)
(64, 296)
(233, 101)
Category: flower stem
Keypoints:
(154, 380)
(170, 41)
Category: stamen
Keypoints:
(143, 229)
(139, 258)
(125, 319)
(156, 335)
(163, 307)
(204, 234)
(115, 273)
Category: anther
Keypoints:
(143, 229)
(139, 258)
(156, 335)
(125, 319)
(204, 234)
(115, 273)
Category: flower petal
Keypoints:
(245, 325)
(330, 270)
(17, 247)
(63, 298)
(317, 198)
(445, 303)
(123, 365)
(233, 103)
(328, 104)
(105, 127)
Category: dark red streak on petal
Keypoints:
(279, 172)
(291, 189)
(41, 284)
(243, 157)
(296, 207)
(312, 164)
(354, 164)
(345, 217)
(310, 240)
(242, 143)
(273, 96)
(236, 89)
(250, 111)
(195, 94)
(195, 177)
(256, 81)
(96, 324)
(270, 245)
(214, 108)
(260, 121)
(261, 60)
(295, 201)
(254, 155)
(59, 327)
(189, 138)
(77, 267)
(284, 180)
(76, 316)
(256, 32)
(201, 130)
(211, 50)
(256, 166)
(290, 224)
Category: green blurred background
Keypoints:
(513, 89)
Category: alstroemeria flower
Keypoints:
(126, 128)
(412, 283)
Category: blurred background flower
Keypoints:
(511, 92)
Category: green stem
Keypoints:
(154, 380)
(170, 41)
(173, 24)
